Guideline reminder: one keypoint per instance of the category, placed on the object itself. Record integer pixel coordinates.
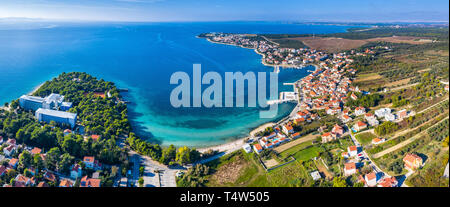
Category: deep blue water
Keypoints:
(142, 57)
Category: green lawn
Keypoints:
(365, 138)
(308, 153)
(291, 175)
(253, 175)
(295, 149)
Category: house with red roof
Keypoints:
(89, 182)
(402, 113)
(288, 129)
(359, 126)
(360, 111)
(35, 151)
(377, 140)
(92, 163)
(349, 168)
(257, 148)
(13, 162)
(371, 179)
(9, 150)
(65, 183)
(346, 118)
(43, 185)
(388, 182)
(352, 151)
(22, 180)
(326, 137)
(296, 135)
(412, 161)
(338, 130)
(95, 137)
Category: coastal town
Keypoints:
(341, 132)
(325, 92)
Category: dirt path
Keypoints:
(404, 143)
(323, 169)
(290, 144)
(432, 106)
(401, 133)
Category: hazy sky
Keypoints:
(228, 10)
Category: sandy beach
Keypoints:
(236, 144)
(35, 89)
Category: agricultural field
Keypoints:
(365, 138)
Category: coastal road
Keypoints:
(155, 174)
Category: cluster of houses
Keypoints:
(353, 157)
(272, 54)
(326, 88)
(21, 180)
(372, 179)
(372, 119)
(273, 139)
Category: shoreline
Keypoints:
(263, 56)
(237, 143)
(36, 88)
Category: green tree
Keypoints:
(141, 182)
(25, 159)
(339, 182)
(183, 155)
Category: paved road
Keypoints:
(165, 177)
(373, 165)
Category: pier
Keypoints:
(284, 97)
(276, 69)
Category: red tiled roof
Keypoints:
(371, 176)
(258, 147)
(36, 151)
(88, 159)
(350, 166)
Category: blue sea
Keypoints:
(142, 57)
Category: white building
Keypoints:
(360, 111)
(247, 148)
(60, 117)
(352, 151)
(371, 179)
(373, 121)
(389, 117)
(382, 112)
(52, 101)
(315, 175)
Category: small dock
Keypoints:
(284, 97)
(276, 69)
(122, 89)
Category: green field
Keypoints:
(253, 174)
(308, 153)
(295, 149)
(365, 138)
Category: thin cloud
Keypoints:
(141, 1)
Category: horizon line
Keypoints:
(193, 21)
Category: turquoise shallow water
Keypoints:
(142, 57)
